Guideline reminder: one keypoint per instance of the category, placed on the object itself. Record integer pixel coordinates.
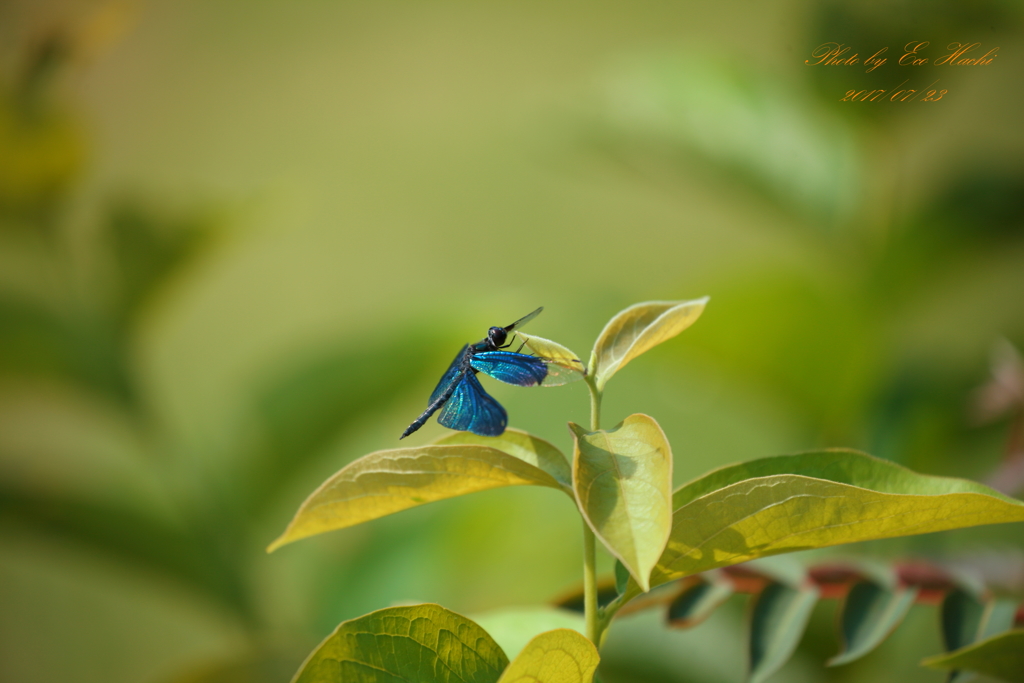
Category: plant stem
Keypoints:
(595, 405)
(605, 615)
(592, 613)
(590, 607)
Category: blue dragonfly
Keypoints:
(460, 397)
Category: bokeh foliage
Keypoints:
(235, 252)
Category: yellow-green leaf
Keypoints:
(638, 329)
(523, 445)
(812, 500)
(564, 366)
(623, 484)
(1000, 656)
(559, 656)
(422, 643)
(389, 481)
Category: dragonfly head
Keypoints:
(496, 336)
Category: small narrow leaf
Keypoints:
(778, 618)
(564, 367)
(623, 484)
(621, 577)
(523, 445)
(870, 612)
(1000, 656)
(638, 329)
(962, 616)
(559, 656)
(389, 481)
(422, 643)
(999, 616)
(696, 603)
(967, 619)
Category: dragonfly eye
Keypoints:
(496, 335)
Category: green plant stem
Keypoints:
(605, 616)
(592, 612)
(595, 404)
(590, 607)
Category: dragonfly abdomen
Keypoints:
(434, 406)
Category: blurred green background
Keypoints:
(239, 243)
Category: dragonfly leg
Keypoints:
(512, 341)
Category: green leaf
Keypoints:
(778, 618)
(637, 329)
(840, 465)
(523, 445)
(559, 656)
(623, 482)
(621, 577)
(422, 643)
(389, 481)
(1000, 656)
(870, 612)
(813, 500)
(570, 366)
(696, 603)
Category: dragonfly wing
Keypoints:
(511, 368)
(451, 375)
(471, 409)
(562, 372)
(525, 319)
